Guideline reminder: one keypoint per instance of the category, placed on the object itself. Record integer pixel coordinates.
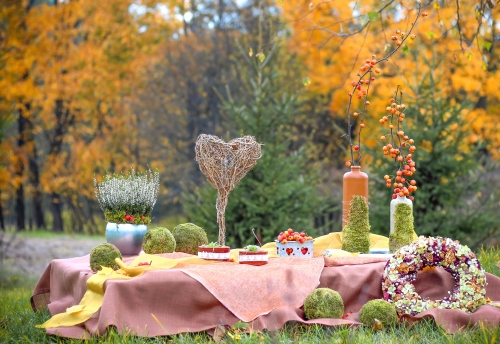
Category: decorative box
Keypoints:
(295, 249)
(253, 258)
(214, 253)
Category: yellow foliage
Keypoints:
(69, 69)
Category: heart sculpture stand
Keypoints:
(224, 165)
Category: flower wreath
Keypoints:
(401, 270)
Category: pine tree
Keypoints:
(282, 189)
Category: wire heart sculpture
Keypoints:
(224, 165)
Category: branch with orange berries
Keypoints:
(362, 87)
(400, 148)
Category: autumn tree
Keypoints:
(68, 68)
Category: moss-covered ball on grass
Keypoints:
(158, 240)
(104, 255)
(188, 237)
(323, 303)
(379, 309)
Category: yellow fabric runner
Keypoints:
(93, 298)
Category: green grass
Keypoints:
(169, 222)
(17, 325)
(11, 279)
(489, 257)
(43, 234)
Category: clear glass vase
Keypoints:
(401, 233)
(395, 202)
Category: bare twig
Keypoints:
(357, 84)
(458, 26)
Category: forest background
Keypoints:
(95, 86)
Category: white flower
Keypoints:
(462, 250)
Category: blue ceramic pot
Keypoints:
(126, 237)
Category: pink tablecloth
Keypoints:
(183, 304)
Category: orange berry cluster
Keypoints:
(400, 142)
(399, 37)
(358, 85)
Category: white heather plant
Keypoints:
(128, 198)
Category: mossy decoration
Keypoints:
(379, 309)
(356, 234)
(323, 303)
(403, 227)
(188, 237)
(158, 240)
(104, 255)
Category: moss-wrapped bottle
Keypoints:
(354, 183)
(401, 223)
(356, 234)
(395, 202)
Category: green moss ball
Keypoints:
(188, 237)
(104, 255)
(158, 240)
(379, 309)
(323, 303)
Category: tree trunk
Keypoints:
(34, 177)
(77, 214)
(55, 207)
(62, 116)
(37, 208)
(2, 223)
(19, 173)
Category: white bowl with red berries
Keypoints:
(294, 244)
